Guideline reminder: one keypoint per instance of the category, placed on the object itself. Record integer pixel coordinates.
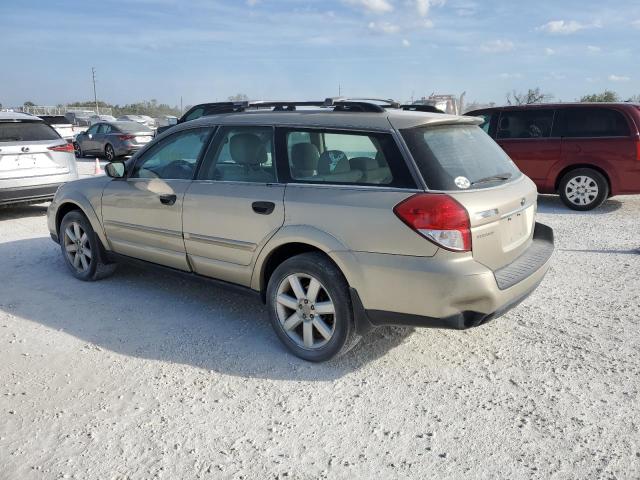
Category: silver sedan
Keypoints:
(112, 139)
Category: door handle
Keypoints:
(263, 208)
(168, 199)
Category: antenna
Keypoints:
(95, 97)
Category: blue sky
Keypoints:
(277, 49)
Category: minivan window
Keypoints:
(535, 123)
(26, 132)
(458, 157)
(594, 122)
(341, 157)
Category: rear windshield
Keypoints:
(26, 132)
(131, 127)
(459, 157)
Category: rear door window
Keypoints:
(26, 132)
(459, 157)
(594, 122)
(534, 123)
(341, 157)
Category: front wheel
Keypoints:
(583, 189)
(81, 248)
(78, 150)
(310, 308)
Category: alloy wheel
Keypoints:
(581, 190)
(305, 310)
(109, 153)
(77, 247)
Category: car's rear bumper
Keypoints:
(445, 291)
(28, 194)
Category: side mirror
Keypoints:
(114, 169)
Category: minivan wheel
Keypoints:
(310, 308)
(109, 153)
(81, 248)
(583, 189)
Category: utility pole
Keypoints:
(339, 90)
(181, 109)
(95, 97)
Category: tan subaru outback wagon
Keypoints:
(344, 216)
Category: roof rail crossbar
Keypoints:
(360, 104)
(284, 106)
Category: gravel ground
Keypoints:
(145, 376)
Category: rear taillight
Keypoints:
(67, 147)
(439, 218)
(126, 137)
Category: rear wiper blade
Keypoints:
(493, 178)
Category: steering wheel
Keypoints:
(180, 169)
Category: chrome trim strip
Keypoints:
(517, 210)
(222, 242)
(161, 231)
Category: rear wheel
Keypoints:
(109, 153)
(583, 189)
(310, 308)
(81, 248)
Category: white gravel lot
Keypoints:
(149, 376)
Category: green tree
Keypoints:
(28, 104)
(606, 96)
(239, 97)
(533, 95)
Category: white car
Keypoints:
(34, 159)
(144, 119)
(93, 119)
(61, 125)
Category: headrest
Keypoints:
(382, 161)
(304, 156)
(364, 163)
(504, 123)
(245, 148)
(333, 161)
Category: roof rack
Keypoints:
(338, 104)
(345, 104)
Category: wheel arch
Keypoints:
(575, 166)
(71, 204)
(291, 241)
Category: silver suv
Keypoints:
(34, 159)
(342, 217)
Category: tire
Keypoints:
(317, 337)
(93, 267)
(109, 153)
(78, 150)
(583, 189)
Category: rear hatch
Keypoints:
(464, 162)
(25, 150)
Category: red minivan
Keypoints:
(585, 152)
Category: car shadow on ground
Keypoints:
(164, 316)
(11, 212)
(552, 204)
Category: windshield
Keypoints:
(458, 157)
(26, 132)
